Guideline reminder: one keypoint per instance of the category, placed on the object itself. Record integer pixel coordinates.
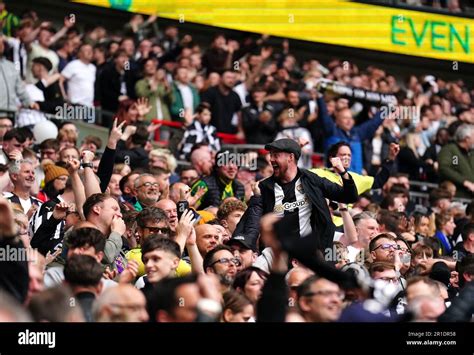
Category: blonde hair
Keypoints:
(165, 154)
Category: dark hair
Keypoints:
(438, 194)
(332, 151)
(235, 301)
(159, 171)
(208, 258)
(84, 237)
(154, 242)
(45, 62)
(164, 297)
(186, 168)
(26, 132)
(466, 265)
(374, 241)
(92, 201)
(441, 219)
(244, 275)
(467, 230)
(119, 52)
(389, 219)
(94, 140)
(140, 137)
(203, 106)
(305, 287)
(51, 191)
(14, 133)
(83, 270)
(153, 214)
(50, 144)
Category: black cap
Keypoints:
(285, 145)
(44, 62)
(242, 240)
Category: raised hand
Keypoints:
(115, 134)
(60, 210)
(337, 164)
(393, 151)
(73, 166)
(118, 225)
(143, 107)
(130, 273)
(87, 156)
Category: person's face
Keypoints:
(253, 287)
(424, 226)
(205, 117)
(49, 153)
(153, 227)
(171, 212)
(108, 210)
(240, 317)
(188, 177)
(224, 265)
(67, 154)
(44, 38)
(114, 186)
(293, 98)
(163, 180)
(207, 238)
(129, 47)
(132, 113)
(449, 227)
(295, 280)
(132, 302)
(36, 283)
(384, 250)
(387, 276)
(324, 301)
(150, 68)
(228, 171)
(159, 264)
(129, 187)
(121, 60)
(182, 75)
(206, 165)
(186, 311)
(37, 70)
(345, 154)
(26, 176)
(367, 229)
(258, 96)
(398, 205)
(246, 256)
(344, 120)
(12, 145)
(228, 80)
(219, 42)
(233, 219)
(86, 53)
(60, 183)
(224, 235)
(148, 190)
(280, 162)
(5, 126)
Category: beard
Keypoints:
(226, 280)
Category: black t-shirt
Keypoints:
(223, 109)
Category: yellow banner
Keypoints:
(328, 21)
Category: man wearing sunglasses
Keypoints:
(221, 261)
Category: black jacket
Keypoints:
(213, 196)
(317, 189)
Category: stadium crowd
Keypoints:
(117, 231)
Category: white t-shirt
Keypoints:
(187, 95)
(80, 82)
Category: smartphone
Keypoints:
(182, 206)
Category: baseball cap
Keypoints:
(244, 241)
(285, 145)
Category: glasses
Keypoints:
(227, 261)
(326, 293)
(387, 246)
(159, 230)
(149, 184)
(393, 280)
